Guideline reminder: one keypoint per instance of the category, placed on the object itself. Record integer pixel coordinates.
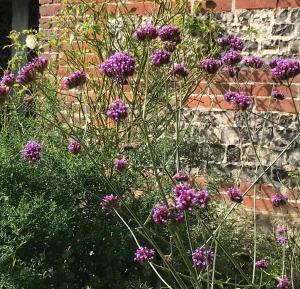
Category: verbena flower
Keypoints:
(160, 57)
(8, 80)
(273, 62)
(178, 217)
(181, 176)
(280, 230)
(121, 164)
(253, 61)
(262, 264)
(231, 41)
(144, 255)
(211, 65)
(280, 240)
(202, 258)
(278, 200)
(201, 198)
(161, 214)
(32, 151)
(231, 57)
(235, 195)
(278, 95)
(241, 100)
(119, 67)
(109, 202)
(169, 33)
(285, 69)
(179, 188)
(74, 147)
(179, 70)
(117, 110)
(40, 64)
(232, 71)
(284, 283)
(146, 33)
(75, 79)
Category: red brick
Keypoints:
(255, 4)
(50, 10)
(268, 104)
(289, 3)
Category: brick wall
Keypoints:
(276, 24)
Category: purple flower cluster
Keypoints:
(119, 67)
(162, 214)
(202, 258)
(253, 61)
(32, 151)
(74, 147)
(120, 164)
(187, 198)
(278, 200)
(284, 69)
(181, 176)
(280, 238)
(231, 41)
(211, 65)
(28, 72)
(231, 57)
(109, 202)
(179, 70)
(117, 110)
(241, 100)
(262, 264)
(75, 79)
(8, 80)
(169, 33)
(144, 255)
(284, 283)
(278, 95)
(146, 33)
(235, 195)
(160, 57)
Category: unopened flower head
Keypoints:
(179, 70)
(119, 67)
(285, 69)
(74, 147)
(146, 33)
(211, 65)
(32, 151)
(109, 202)
(144, 255)
(235, 195)
(202, 258)
(181, 176)
(121, 164)
(278, 95)
(169, 33)
(262, 264)
(284, 283)
(75, 79)
(8, 80)
(231, 57)
(278, 200)
(160, 57)
(253, 61)
(117, 110)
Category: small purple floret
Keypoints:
(74, 147)
(181, 176)
(284, 283)
(233, 42)
(32, 151)
(202, 258)
(231, 57)
(278, 95)
(160, 58)
(285, 69)
(117, 110)
(278, 200)
(211, 65)
(144, 255)
(120, 164)
(280, 230)
(8, 80)
(235, 195)
(169, 33)
(146, 33)
(179, 70)
(262, 264)
(109, 202)
(253, 61)
(75, 79)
